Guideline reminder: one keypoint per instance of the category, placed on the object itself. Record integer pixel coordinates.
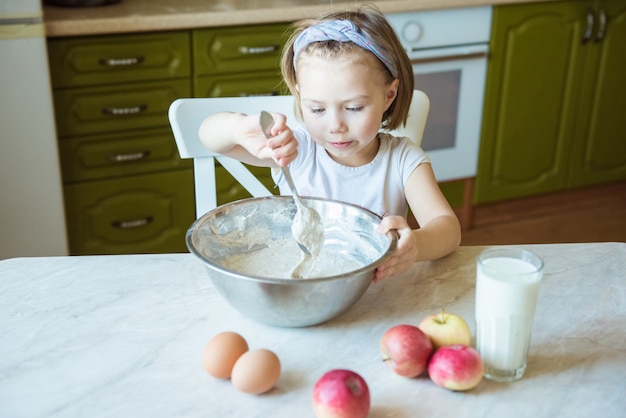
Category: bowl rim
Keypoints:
(392, 235)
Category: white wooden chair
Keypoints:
(186, 115)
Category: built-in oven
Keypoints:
(449, 49)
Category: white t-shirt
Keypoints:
(377, 186)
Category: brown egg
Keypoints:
(256, 371)
(221, 353)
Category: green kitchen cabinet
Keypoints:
(264, 83)
(125, 188)
(105, 60)
(115, 154)
(599, 153)
(238, 62)
(136, 214)
(242, 61)
(238, 49)
(115, 108)
(547, 90)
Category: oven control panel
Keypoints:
(442, 28)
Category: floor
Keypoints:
(592, 214)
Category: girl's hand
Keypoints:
(405, 254)
(282, 146)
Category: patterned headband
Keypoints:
(340, 31)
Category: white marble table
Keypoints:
(122, 336)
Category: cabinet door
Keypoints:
(261, 83)
(119, 155)
(138, 214)
(102, 60)
(532, 80)
(600, 153)
(93, 110)
(237, 49)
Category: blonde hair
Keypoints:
(373, 23)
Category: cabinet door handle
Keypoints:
(133, 156)
(602, 20)
(253, 50)
(117, 111)
(134, 223)
(120, 62)
(589, 30)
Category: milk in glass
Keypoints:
(507, 285)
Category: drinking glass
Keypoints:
(507, 285)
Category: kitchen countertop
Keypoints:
(161, 15)
(123, 336)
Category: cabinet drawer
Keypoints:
(108, 156)
(95, 110)
(238, 49)
(118, 59)
(139, 214)
(266, 83)
(228, 189)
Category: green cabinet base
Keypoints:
(139, 214)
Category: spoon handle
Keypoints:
(266, 120)
(292, 186)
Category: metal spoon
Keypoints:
(307, 227)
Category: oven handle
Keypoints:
(459, 57)
(468, 52)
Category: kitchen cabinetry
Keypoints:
(125, 188)
(554, 97)
(599, 153)
(238, 61)
(235, 62)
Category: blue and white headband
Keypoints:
(340, 31)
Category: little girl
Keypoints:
(351, 78)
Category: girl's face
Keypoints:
(343, 101)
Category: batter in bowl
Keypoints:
(277, 261)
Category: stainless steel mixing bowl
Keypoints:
(251, 224)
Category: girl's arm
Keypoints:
(439, 233)
(240, 136)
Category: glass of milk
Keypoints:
(507, 285)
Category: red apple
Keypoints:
(456, 367)
(341, 394)
(446, 329)
(406, 350)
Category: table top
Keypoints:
(123, 336)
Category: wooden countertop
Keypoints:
(162, 15)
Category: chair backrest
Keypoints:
(186, 116)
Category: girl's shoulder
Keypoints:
(400, 144)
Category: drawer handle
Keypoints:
(120, 62)
(252, 50)
(121, 111)
(133, 156)
(135, 223)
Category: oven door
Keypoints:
(454, 80)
